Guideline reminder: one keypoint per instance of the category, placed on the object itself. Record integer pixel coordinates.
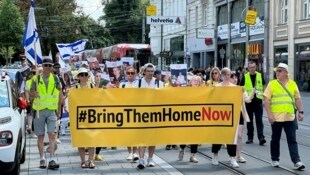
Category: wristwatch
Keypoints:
(301, 112)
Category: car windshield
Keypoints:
(4, 96)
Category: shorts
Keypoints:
(48, 118)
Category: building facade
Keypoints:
(290, 39)
(169, 38)
(237, 42)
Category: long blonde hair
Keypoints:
(211, 77)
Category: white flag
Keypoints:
(67, 50)
(31, 41)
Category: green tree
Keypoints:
(11, 26)
(123, 20)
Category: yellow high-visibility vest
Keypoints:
(49, 97)
(259, 84)
(280, 101)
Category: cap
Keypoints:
(82, 70)
(47, 61)
(56, 65)
(281, 65)
(157, 71)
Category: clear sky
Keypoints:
(91, 7)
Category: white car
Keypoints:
(12, 128)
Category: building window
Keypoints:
(283, 12)
(196, 17)
(237, 8)
(222, 15)
(306, 10)
(205, 14)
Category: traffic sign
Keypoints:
(151, 10)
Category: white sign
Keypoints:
(222, 31)
(204, 33)
(166, 20)
(258, 28)
(129, 61)
(113, 64)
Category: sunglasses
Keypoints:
(280, 70)
(47, 65)
(83, 74)
(130, 73)
(214, 73)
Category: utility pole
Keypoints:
(266, 41)
(161, 34)
(228, 50)
(143, 26)
(247, 32)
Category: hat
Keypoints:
(82, 70)
(47, 61)
(281, 65)
(157, 71)
(56, 65)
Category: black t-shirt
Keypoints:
(253, 80)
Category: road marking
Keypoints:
(167, 167)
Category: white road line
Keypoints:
(167, 167)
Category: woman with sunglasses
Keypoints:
(214, 77)
(196, 81)
(83, 77)
(231, 148)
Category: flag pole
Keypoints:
(37, 74)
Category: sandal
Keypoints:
(91, 165)
(83, 165)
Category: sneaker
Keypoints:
(33, 135)
(193, 159)
(135, 157)
(262, 141)
(129, 157)
(150, 162)
(58, 141)
(241, 159)
(42, 164)
(181, 154)
(114, 148)
(141, 165)
(175, 147)
(275, 163)
(214, 160)
(53, 165)
(98, 157)
(168, 147)
(233, 162)
(250, 141)
(299, 166)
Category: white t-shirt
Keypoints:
(152, 84)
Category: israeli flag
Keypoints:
(31, 41)
(67, 50)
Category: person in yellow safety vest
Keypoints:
(254, 79)
(47, 101)
(280, 98)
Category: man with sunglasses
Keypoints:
(47, 101)
(281, 97)
(254, 79)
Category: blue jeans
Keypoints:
(290, 131)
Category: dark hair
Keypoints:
(233, 75)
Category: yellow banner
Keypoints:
(137, 117)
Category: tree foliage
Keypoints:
(11, 26)
(123, 20)
(62, 21)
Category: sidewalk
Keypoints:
(68, 158)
